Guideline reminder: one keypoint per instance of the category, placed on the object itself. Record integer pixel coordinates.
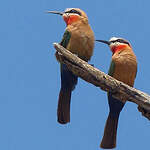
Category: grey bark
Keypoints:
(105, 82)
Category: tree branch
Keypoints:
(102, 80)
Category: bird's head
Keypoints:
(71, 15)
(116, 44)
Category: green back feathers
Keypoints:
(66, 38)
(64, 42)
(111, 68)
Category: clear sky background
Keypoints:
(30, 77)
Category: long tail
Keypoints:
(110, 131)
(68, 82)
(63, 111)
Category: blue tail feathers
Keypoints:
(68, 83)
(68, 79)
(115, 106)
(110, 131)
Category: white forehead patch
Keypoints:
(70, 14)
(68, 9)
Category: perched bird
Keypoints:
(123, 68)
(78, 39)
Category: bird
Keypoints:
(79, 39)
(123, 67)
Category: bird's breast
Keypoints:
(125, 67)
(81, 42)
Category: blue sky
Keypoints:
(30, 77)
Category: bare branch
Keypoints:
(104, 81)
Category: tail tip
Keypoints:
(63, 121)
(63, 110)
(107, 146)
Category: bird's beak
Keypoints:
(56, 12)
(103, 41)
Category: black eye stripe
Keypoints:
(120, 41)
(73, 11)
(113, 41)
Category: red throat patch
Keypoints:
(70, 19)
(115, 49)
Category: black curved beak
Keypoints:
(56, 12)
(103, 41)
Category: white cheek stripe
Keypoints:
(71, 14)
(117, 44)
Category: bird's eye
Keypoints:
(112, 41)
(74, 11)
(123, 41)
(120, 41)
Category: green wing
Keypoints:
(111, 68)
(66, 37)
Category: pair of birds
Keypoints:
(79, 39)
